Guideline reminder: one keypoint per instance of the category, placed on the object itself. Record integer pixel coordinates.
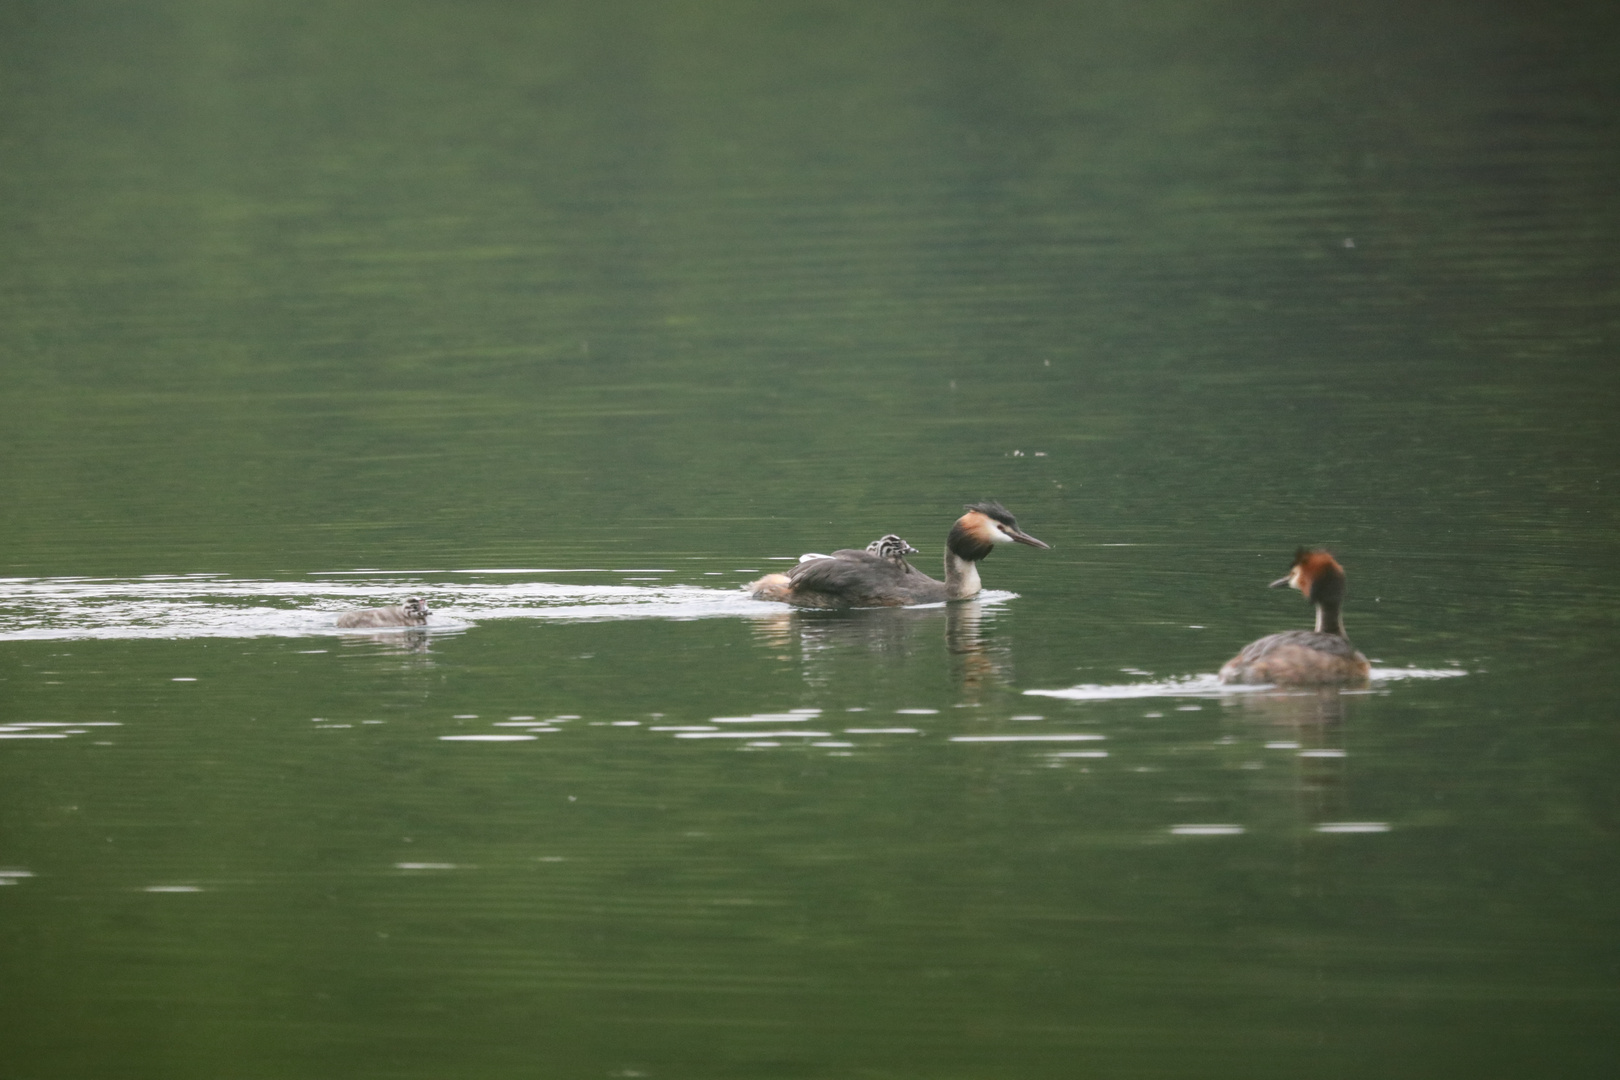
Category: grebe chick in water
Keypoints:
(1305, 657)
(413, 612)
(883, 578)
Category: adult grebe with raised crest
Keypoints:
(1305, 657)
(880, 575)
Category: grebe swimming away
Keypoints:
(412, 612)
(880, 575)
(1305, 657)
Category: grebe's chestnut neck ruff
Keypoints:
(972, 539)
(880, 575)
(1305, 657)
(1320, 579)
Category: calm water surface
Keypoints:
(574, 318)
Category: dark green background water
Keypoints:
(664, 291)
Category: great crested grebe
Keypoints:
(1305, 657)
(880, 575)
(413, 612)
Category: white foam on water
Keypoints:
(1026, 738)
(215, 606)
(794, 717)
(486, 738)
(1395, 674)
(1210, 686)
(753, 734)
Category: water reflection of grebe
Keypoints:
(874, 630)
(850, 578)
(813, 640)
(413, 639)
(977, 664)
(1305, 657)
(413, 612)
(1308, 726)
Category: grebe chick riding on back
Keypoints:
(1305, 657)
(880, 575)
(890, 548)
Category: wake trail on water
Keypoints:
(216, 606)
(1210, 686)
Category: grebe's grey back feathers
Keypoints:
(860, 579)
(413, 612)
(1300, 657)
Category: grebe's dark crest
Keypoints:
(413, 612)
(1305, 657)
(880, 575)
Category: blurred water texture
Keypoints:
(572, 318)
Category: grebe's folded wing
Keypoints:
(847, 571)
(1331, 644)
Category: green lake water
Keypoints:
(574, 318)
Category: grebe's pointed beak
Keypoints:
(1024, 538)
(1288, 579)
